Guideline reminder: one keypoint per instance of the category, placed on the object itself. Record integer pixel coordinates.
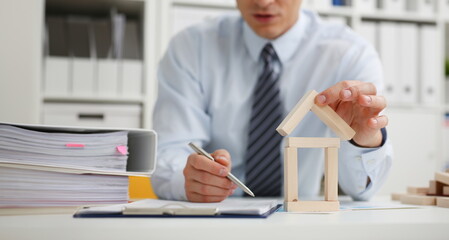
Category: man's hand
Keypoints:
(205, 180)
(357, 103)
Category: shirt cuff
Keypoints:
(384, 139)
(359, 163)
(178, 186)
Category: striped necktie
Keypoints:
(263, 163)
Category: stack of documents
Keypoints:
(34, 188)
(51, 168)
(94, 151)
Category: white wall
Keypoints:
(20, 54)
(416, 156)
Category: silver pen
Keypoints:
(230, 176)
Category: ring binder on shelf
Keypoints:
(141, 147)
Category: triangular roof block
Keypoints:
(325, 113)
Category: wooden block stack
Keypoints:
(436, 194)
(330, 145)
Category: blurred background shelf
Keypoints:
(405, 17)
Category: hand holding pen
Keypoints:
(205, 180)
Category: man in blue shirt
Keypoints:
(207, 81)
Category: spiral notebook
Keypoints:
(231, 207)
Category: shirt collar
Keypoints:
(284, 45)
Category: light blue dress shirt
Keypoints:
(206, 81)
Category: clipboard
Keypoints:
(152, 208)
(171, 210)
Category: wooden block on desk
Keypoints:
(443, 202)
(312, 206)
(418, 190)
(418, 199)
(432, 187)
(435, 188)
(334, 121)
(446, 190)
(312, 142)
(290, 174)
(397, 196)
(442, 177)
(297, 114)
(331, 174)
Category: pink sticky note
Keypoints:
(74, 145)
(122, 149)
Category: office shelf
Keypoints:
(206, 3)
(81, 99)
(143, 91)
(337, 11)
(405, 17)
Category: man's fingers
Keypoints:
(207, 178)
(204, 164)
(195, 197)
(353, 92)
(345, 91)
(208, 190)
(329, 95)
(332, 94)
(372, 101)
(223, 157)
(378, 122)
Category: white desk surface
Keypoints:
(421, 223)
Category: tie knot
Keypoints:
(268, 53)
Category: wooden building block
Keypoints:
(334, 121)
(331, 174)
(312, 206)
(310, 142)
(442, 177)
(290, 174)
(297, 114)
(417, 190)
(397, 196)
(435, 188)
(443, 202)
(418, 199)
(432, 187)
(446, 190)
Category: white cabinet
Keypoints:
(99, 53)
(180, 14)
(393, 6)
(417, 155)
(93, 115)
(20, 60)
(185, 16)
